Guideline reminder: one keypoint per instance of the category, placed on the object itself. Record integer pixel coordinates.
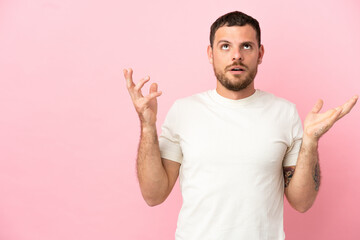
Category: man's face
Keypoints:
(235, 56)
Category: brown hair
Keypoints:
(235, 18)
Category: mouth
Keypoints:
(236, 70)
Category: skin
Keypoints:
(305, 177)
(235, 46)
(157, 175)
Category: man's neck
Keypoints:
(235, 95)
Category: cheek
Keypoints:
(219, 59)
(252, 58)
(217, 64)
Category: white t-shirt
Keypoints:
(232, 154)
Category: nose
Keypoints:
(237, 55)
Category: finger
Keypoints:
(317, 107)
(128, 76)
(346, 108)
(153, 88)
(329, 121)
(334, 116)
(152, 95)
(141, 83)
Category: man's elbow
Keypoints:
(302, 208)
(300, 204)
(152, 202)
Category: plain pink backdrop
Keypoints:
(69, 133)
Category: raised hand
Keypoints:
(146, 106)
(316, 124)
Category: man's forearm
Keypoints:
(151, 173)
(305, 183)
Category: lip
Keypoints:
(237, 72)
(236, 66)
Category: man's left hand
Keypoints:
(316, 124)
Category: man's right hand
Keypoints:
(146, 106)
(156, 175)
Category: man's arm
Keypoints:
(302, 190)
(156, 175)
(305, 181)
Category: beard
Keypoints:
(238, 84)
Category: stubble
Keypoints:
(237, 84)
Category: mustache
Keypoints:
(236, 64)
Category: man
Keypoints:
(237, 149)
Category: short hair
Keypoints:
(235, 18)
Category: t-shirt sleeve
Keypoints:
(169, 140)
(296, 132)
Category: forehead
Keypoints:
(236, 34)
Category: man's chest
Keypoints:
(234, 139)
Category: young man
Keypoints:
(235, 148)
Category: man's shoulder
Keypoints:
(196, 98)
(263, 97)
(276, 100)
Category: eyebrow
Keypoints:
(222, 41)
(246, 42)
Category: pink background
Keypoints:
(69, 133)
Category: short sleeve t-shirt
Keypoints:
(232, 153)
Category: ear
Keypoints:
(210, 54)
(261, 54)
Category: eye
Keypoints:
(225, 46)
(247, 46)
